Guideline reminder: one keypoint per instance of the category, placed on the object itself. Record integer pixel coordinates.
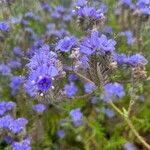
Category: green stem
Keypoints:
(130, 125)
(83, 77)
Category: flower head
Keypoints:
(112, 90)
(39, 108)
(89, 87)
(4, 26)
(23, 145)
(65, 45)
(76, 116)
(70, 89)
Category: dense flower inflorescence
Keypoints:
(76, 116)
(44, 67)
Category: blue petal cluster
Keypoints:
(76, 116)
(23, 145)
(39, 108)
(43, 67)
(6, 106)
(15, 84)
(70, 89)
(89, 87)
(65, 45)
(4, 26)
(94, 43)
(112, 90)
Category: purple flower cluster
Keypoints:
(6, 106)
(39, 108)
(111, 91)
(14, 126)
(91, 13)
(23, 145)
(4, 26)
(94, 43)
(65, 45)
(76, 116)
(15, 84)
(133, 60)
(70, 89)
(89, 87)
(44, 67)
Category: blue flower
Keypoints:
(61, 134)
(137, 59)
(5, 69)
(90, 12)
(111, 91)
(6, 121)
(70, 89)
(4, 26)
(44, 84)
(17, 51)
(15, 84)
(120, 58)
(23, 145)
(18, 125)
(76, 116)
(39, 108)
(128, 146)
(66, 44)
(72, 77)
(80, 3)
(94, 43)
(89, 45)
(43, 66)
(6, 106)
(89, 87)
(94, 100)
(107, 45)
(129, 36)
(109, 113)
(46, 7)
(126, 2)
(14, 63)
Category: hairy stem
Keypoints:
(130, 125)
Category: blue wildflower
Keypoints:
(44, 84)
(39, 108)
(6, 121)
(17, 51)
(70, 89)
(61, 134)
(120, 58)
(106, 45)
(128, 146)
(89, 87)
(18, 125)
(6, 106)
(23, 145)
(109, 113)
(129, 36)
(89, 45)
(94, 100)
(76, 116)
(4, 26)
(15, 84)
(137, 59)
(72, 77)
(80, 3)
(90, 12)
(126, 2)
(65, 45)
(112, 90)
(5, 69)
